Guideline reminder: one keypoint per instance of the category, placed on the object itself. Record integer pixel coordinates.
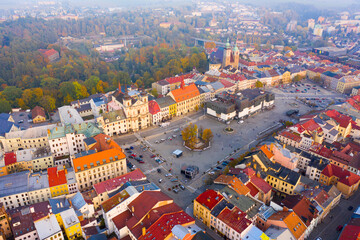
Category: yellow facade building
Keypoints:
(204, 203)
(71, 224)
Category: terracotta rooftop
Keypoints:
(235, 218)
(345, 177)
(161, 229)
(261, 184)
(104, 142)
(37, 111)
(97, 159)
(291, 136)
(10, 158)
(146, 201)
(209, 198)
(185, 92)
(234, 183)
(135, 224)
(56, 177)
(112, 184)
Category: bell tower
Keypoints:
(227, 54)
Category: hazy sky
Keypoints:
(151, 3)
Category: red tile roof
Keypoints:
(112, 184)
(38, 111)
(310, 125)
(10, 158)
(253, 189)
(146, 201)
(290, 135)
(235, 218)
(350, 232)
(345, 177)
(209, 198)
(261, 184)
(154, 107)
(56, 177)
(226, 84)
(121, 219)
(180, 78)
(104, 142)
(161, 229)
(249, 172)
(135, 225)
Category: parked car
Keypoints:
(174, 180)
(175, 190)
(158, 170)
(350, 208)
(160, 180)
(168, 175)
(182, 187)
(339, 228)
(127, 149)
(219, 167)
(131, 147)
(141, 156)
(211, 173)
(134, 155)
(152, 156)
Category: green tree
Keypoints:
(5, 106)
(48, 103)
(91, 84)
(11, 93)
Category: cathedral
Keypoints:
(230, 57)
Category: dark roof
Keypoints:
(84, 107)
(202, 236)
(220, 206)
(5, 126)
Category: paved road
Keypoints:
(341, 215)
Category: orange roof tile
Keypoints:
(97, 159)
(104, 142)
(234, 183)
(267, 151)
(185, 93)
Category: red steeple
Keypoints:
(182, 84)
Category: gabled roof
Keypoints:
(234, 183)
(146, 201)
(38, 111)
(161, 229)
(235, 218)
(260, 184)
(185, 93)
(112, 184)
(291, 136)
(345, 177)
(97, 159)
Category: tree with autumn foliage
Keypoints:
(189, 135)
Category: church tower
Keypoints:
(227, 54)
(236, 53)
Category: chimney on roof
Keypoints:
(143, 231)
